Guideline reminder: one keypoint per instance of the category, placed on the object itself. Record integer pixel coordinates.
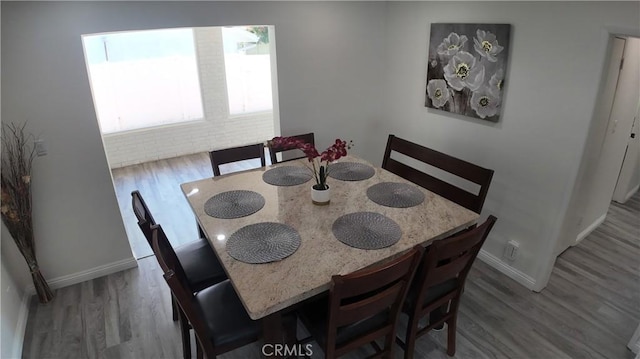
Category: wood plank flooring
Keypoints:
(590, 308)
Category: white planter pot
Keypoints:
(320, 197)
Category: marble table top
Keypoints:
(268, 288)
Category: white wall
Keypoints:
(13, 259)
(629, 180)
(13, 314)
(557, 57)
(330, 66)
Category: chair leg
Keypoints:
(174, 308)
(437, 314)
(387, 352)
(198, 350)
(290, 330)
(186, 336)
(451, 336)
(200, 231)
(410, 339)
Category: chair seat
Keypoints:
(314, 317)
(200, 264)
(224, 315)
(433, 293)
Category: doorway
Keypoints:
(607, 143)
(628, 181)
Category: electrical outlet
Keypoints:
(41, 149)
(511, 250)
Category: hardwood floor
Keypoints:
(590, 308)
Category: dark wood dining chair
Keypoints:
(439, 283)
(215, 313)
(235, 154)
(273, 150)
(362, 306)
(202, 267)
(463, 169)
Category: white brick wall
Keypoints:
(217, 130)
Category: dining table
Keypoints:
(373, 216)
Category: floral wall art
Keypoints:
(466, 69)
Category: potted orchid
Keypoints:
(319, 162)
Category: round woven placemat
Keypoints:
(263, 242)
(287, 176)
(234, 204)
(350, 171)
(366, 230)
(395, 194)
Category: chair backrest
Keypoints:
(177, 280)
(234, 154)
(366, 293)
(145, 219)
(470, 172)
(449, 260)
(273, 150)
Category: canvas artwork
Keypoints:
(466, 69)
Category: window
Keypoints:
(247, 69)
(143, 78)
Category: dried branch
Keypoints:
(18, 153)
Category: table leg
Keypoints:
(273, 335)
(201, 231)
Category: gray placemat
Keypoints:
(234, 204)
(351, 171)
(366, 230)
(263, 242)
(395, 194)
(287, 176)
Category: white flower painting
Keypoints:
(466, 69)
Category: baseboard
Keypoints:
(634, 343)
(590, 229)
(635, 348)
(88, 274)
(21, 326)
(506, 269)
(631, 193)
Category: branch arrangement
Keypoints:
(18, 153)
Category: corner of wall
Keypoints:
(507, 270)
(634, 342)
(15, 312)
(21, 326)
(590, 228)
